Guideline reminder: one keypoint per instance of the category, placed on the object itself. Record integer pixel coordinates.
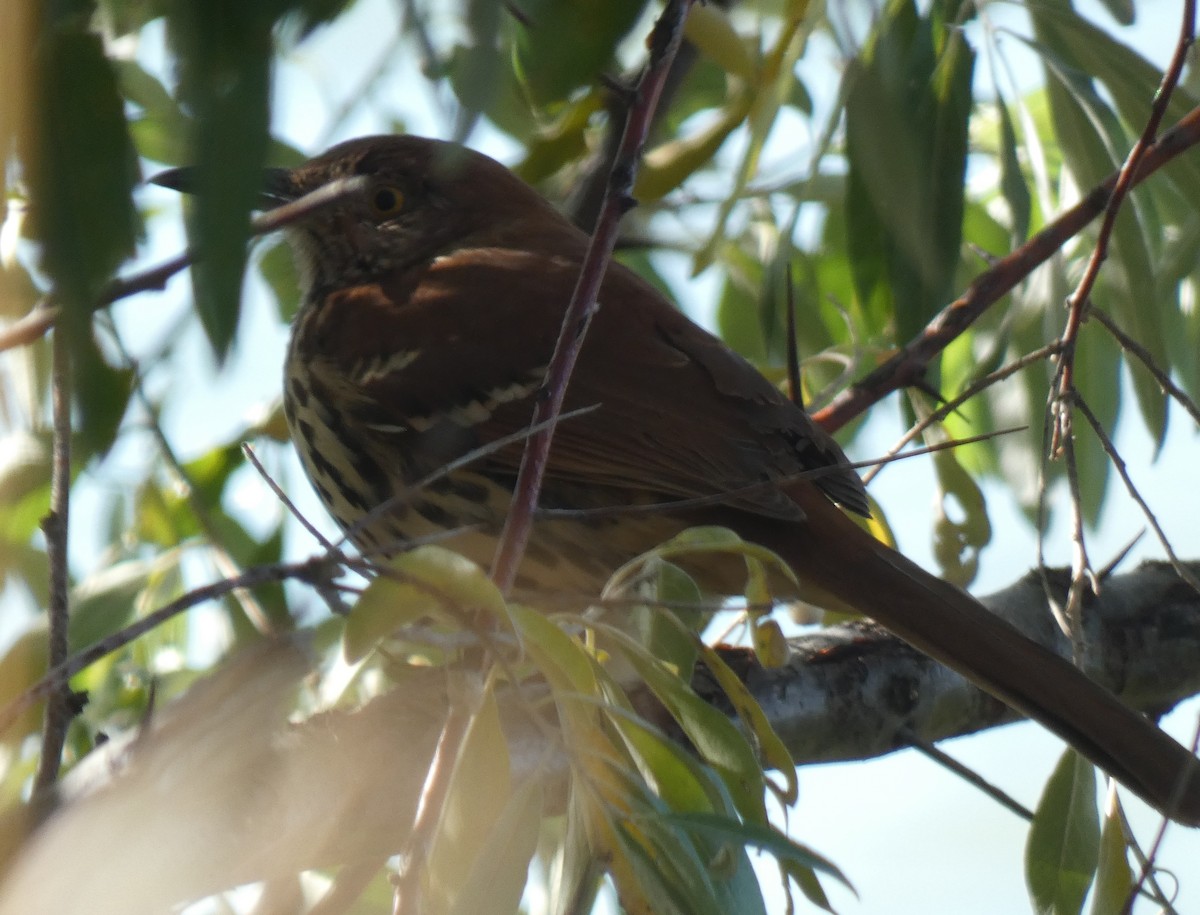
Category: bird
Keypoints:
(431, 302)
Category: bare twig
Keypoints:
(1143, 356)
(60, 704)
(252, 457)
(664, 42)
(1038, 355)
(313, 571)
(1149, 864)
(407, 896)
(1119, 463)
(1070, 617)
(969, 775)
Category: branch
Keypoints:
(61, 704)
(664, 42)
(837, 698)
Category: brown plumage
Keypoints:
(430, 313)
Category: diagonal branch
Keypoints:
(908, 365)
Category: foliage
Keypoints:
(881, 192)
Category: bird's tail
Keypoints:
(837, 557)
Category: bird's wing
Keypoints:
(495, 315)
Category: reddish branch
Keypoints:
(664, 42)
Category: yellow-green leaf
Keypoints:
(1064, 839)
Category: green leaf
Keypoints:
(1064, 839)
(1098, 377)
(562, 660)
(763, 837)
(1012, 180)
(104, 602)
(497, 878)
(427, 581)
(904, 201)
(711, 31)
(21, 666)
(567, 45)
(101, 392)
(699, 541)
(770, 745)
(682, 781)
(477, 797)
(716, 739)
(739, 315)
(224, 51)
(959, 533)
(81, 168)
(161, 130)
(656, 624)
(1114, 877)
(1095, 144)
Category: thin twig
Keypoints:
(969, 775)
(224, 561)
(1038, 355)
(1081, 568)
(1143, 356)
(1149, 864)
(664, 42)
(252, 456)
(60, 704)
(465, 460)
(1119, 463)
(313, 571)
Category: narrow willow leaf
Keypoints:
(904, 201)
(682, 781)
(771, 746)
(429, 581)
(1098, 376)
(570, 44)
(1064, 839)
(82, 167)
(1114, 877)
(711, 31)
(1012, 180)
(962, 531)
(500, 870)
(763, 837)
(224, 51)
(717, 740)
(478, 796)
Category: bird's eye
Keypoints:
(386, 201)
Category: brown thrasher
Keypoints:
(431, 305)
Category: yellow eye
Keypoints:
(386, 201)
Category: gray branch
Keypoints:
(855, 691)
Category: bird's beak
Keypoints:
(278, 187)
